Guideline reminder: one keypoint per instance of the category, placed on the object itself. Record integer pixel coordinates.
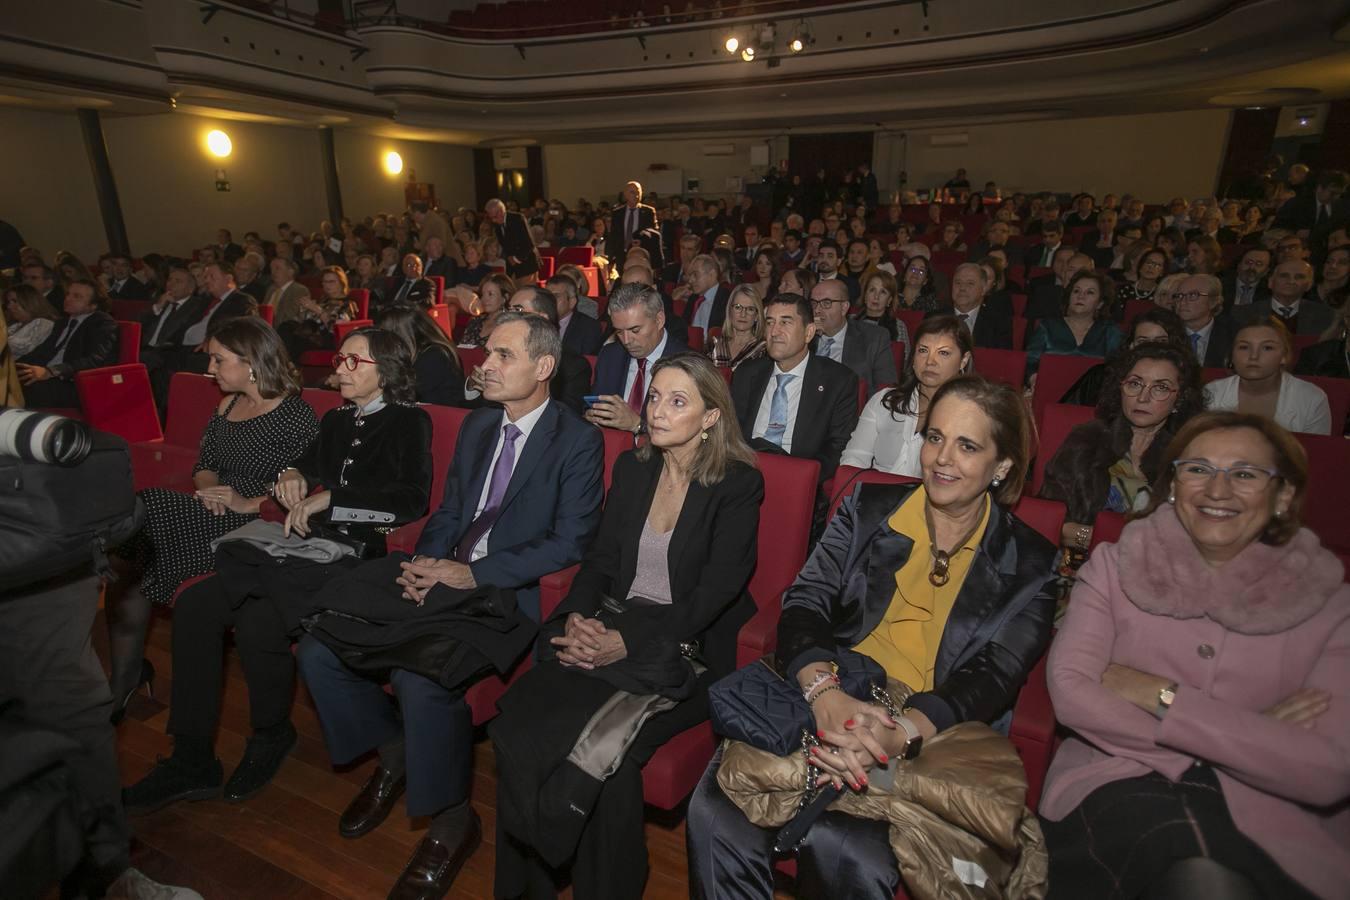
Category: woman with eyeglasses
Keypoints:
(1109, 463)
(1141, 282)
(1202, 670)
(742, 335)
(366, 472)
(889, 433)
(1153, 324)
(917, 290)
(1262, 351)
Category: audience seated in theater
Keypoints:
(366, 471)
(1083, 213)
(640, 273)
(246, 271)
(990, 321)
(1317, 211)
(1100, 243)
(917, 290)
(1153, 324)
(676, 548)
(586, 304)
(581, 333)
(880, 299)
(704, 293)
(1292, 300)
(412, 289)
(623, 367)
(827, 268)
(314, 328)
(260, 427)
(855, 264)
(996, 236)
(1198, 300)
(124, 284)
(43, 280)
(85, 339)
(742, 335)
(285, 293)
(1245, 283)
(744, 257)
(1200, 674)
(1109, 463)
(1262, 351)
(952, 239)
(793, 401)
(226, 247)
(492, 298)
(522, 499)
(1085, 327)
(1292, 246)
(862, 346)
(890, 552)
(1204, 256)
(437, 375)
(474, 269)
(1049, 295)
(677, 273)
(29, 317)
(1042, 255)
(889, 435)
(435, 261)
(572, 377)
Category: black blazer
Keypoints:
(994, 324)
(1326, 359)
(422, 294)
(132, 289)
(255, 289)
(440, 380)
(180, 320)
(443, 266)
(571, 381)
(551, 508)
(616, 242)
(516, 240)
(387, 479)
(94, 344)
(998, 627)
(1219, 351)
(711, 557)
(826, 414)
(583, 334)
(611, 366)
(1229, 282)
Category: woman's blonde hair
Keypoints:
(724, 444)
(748, 292)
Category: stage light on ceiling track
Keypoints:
(219, 143)
(393, 162)
(796, 45)
(732, 44)
(748, 54)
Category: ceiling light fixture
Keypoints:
(748, 54)
(732, 44)
(219, 143)
(393, 162)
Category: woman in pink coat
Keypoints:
(1204, 667)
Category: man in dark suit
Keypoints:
(623, 368)
(1289, 282)
(580, 333)
(225, 302)
(226, 248)
(989, 318)
(436, 262)
(126, 286)
(862, 346)
(745, 257)
(792, 400)
(1245, 284)
(744, 214)
(675, 274)
(168, 319)
(513, 233)
(413, 290)
(43, 279)
(86, 339)
(246, 271)
(704, 294)
(1315, 212)
(627, 222)
(522, 499)
(572, 377)
(871, 191)
(829, 259)
(1199, 302)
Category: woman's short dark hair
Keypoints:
(1009, 426)
(1165, 319)
(1106, 289)
(418, 330)
(1291, 461)
(1151, 251)
(254, 340)
(1190, 381)
(394, 360)
(899, 398)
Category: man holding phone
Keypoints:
(623, 367)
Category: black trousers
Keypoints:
(48, 667)
(51, 394)
(201, 618)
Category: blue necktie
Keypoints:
(778, 411)
(826, 347)
(1195, 343)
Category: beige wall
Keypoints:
(598, 171)
(1155, 156)
(47, 191)
(367, 189)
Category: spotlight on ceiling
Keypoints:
(732, 44)
(796, 45)
(748, 54)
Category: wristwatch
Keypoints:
(915, 742)
(1165, 697)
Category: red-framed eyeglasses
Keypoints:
(350, 360)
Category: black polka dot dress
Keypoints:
(247, 456)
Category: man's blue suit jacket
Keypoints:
(552, 506)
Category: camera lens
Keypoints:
(43, 437)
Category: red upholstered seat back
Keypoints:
(117, 399)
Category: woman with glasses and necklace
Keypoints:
(367, 472)
(742, 335)
(1262, 351)
(1202, 668)
(917, 290)
(1108, 463)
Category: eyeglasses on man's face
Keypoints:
(825, 304)
(1242, 478)
(1189, 296)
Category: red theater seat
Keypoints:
(1055, 375)
(1328, 498)
(912, 318)
(193, 399)
(445, 424)
(321, 400)
(1338, 397)
(117, 399)
(1058, 420)
(128, 342)
(1004, 366)
(576, 256)
(266, 313)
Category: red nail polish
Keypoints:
(883, 759)
(848, 724)
(864, 781)
(821, 735)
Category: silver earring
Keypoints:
(1172, 497)
(252, 378)
(996, 482)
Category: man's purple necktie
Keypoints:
(501, 477)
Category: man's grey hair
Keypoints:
(977, 269)
(494, 203)
(542, 339)
(706, 263)
(631, 296)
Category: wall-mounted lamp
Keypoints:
(393, 163)
(218, 142)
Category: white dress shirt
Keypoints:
(197, 333)
(1302, 405)
(885, 440)
(563, 323)
(526, 425)
(970, 316)
(837, 348)
(794, 396)
(703, 313)
(1244, 294)
(651, 361)
(169, 309)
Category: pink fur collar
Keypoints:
(1263, 590)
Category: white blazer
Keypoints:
(1302, 405)
(884, 440)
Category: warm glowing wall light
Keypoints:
(393, 163)
(218, 142)
(732, 44)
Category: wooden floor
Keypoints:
(284, 842)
